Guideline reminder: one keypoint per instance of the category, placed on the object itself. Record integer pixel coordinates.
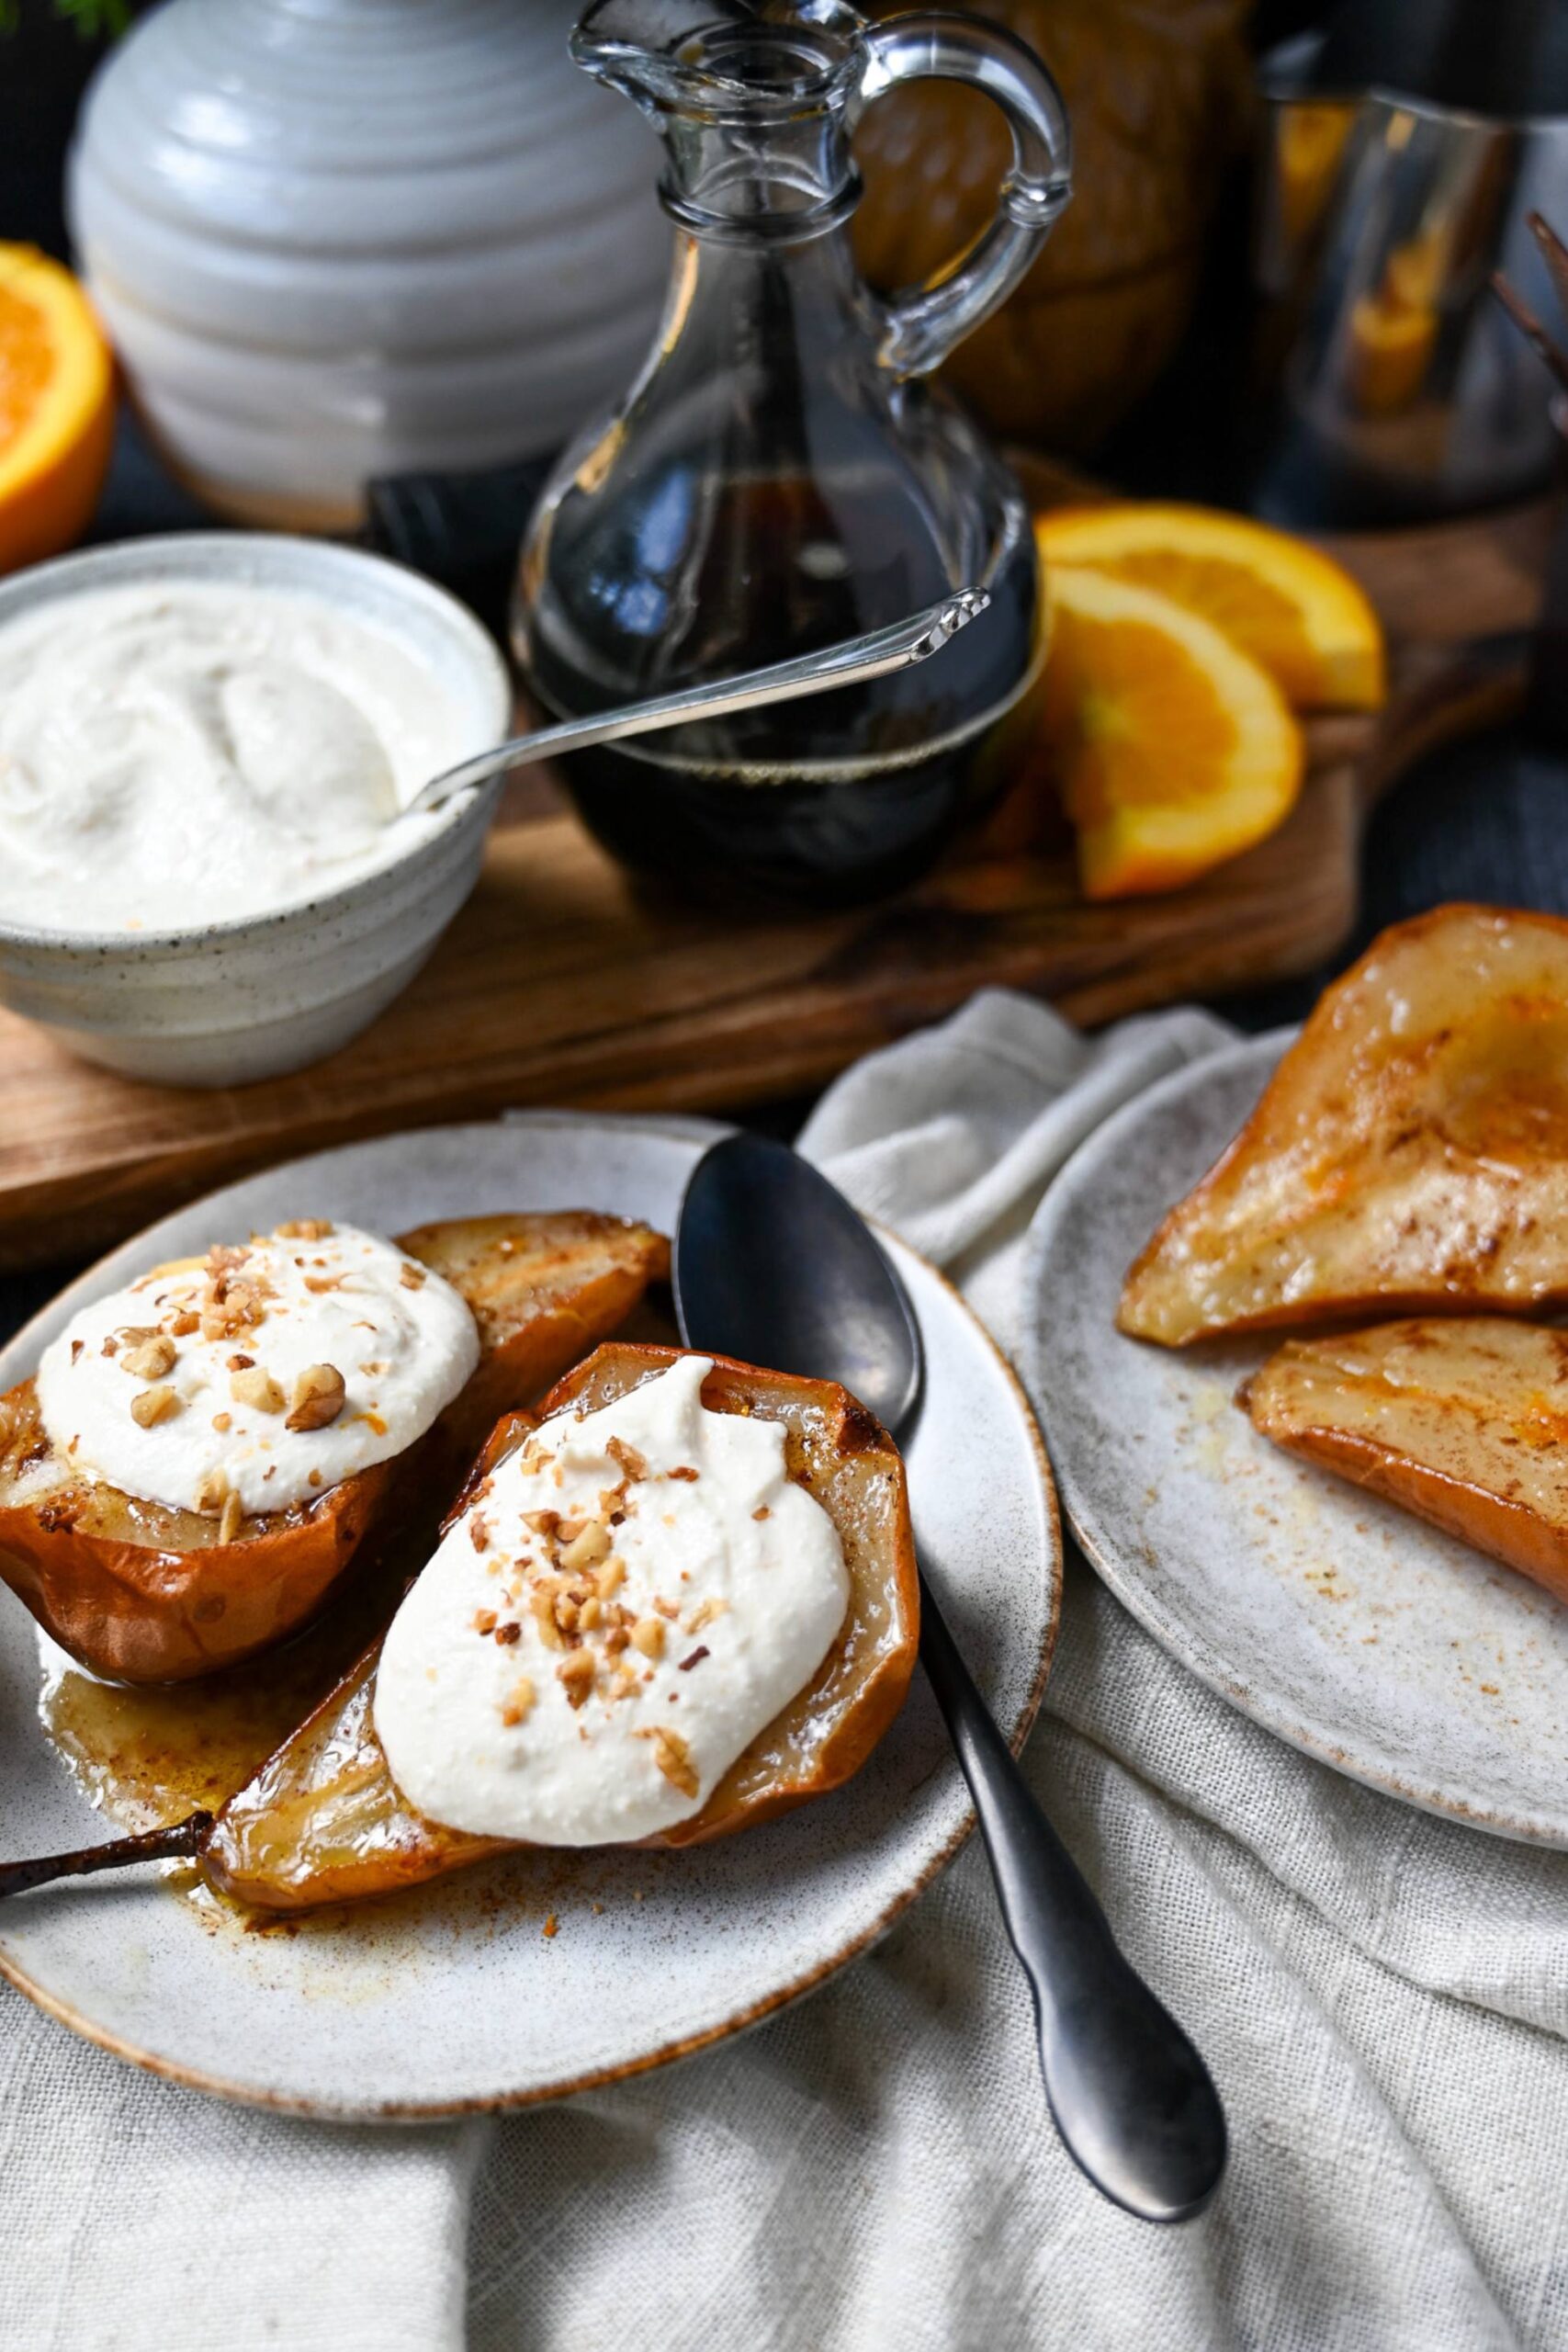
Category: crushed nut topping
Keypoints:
(627, 1457)
(318, 1396)
(150, 1404)
(234, 1513)
(479, 1533)
(696, 1659)
(647, 1634)
(705, 1613)
(509, 1633)
(576, 1673)
(672, 1757)
(186, 1321)
(222, 1423)
(213, 1491)
(75, 1351)
(319, 1282)
(241, 1362)
(306, 1229)
(587, 1547)
(761, 1511)
(519, 1700)
(484, 1620)
(412, 1277)
(684, 1471)
(254, 1385)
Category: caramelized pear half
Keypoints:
(323, 1821)
(1410, 1153)
(141, 1593)
(1464, 1422)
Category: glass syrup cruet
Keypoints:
(779, 475)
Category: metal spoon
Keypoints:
(773, 1266)
(856, 658)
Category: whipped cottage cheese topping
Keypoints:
(627, 1602)
(268, 1372)
(173, 753)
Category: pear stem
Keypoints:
(182, 1837)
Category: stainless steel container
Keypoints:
(1405, 392)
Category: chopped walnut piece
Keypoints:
(213, 1491)
(576, 1673)
(587, 1547)
(671, 1755)
(478, 1533)
(541, 1604)
(591, 1612)
(543, 1522)
(484, 1620)
(241, 1362)
(252, 1385)
(222, 1423)
(150, 1359)
(704, 1615)
(551, 1925)
(150, 1405)
(319, 1282)
(519, 1699)
(75, 1351)
(762, 1512)
(305, 1229)
(627, 1457)
(665, 1608)
(684, 1471)
(234, 1513)
(509, 1633)
(186, 1321)
(412, 1277)
(318, 1396)
(649, 1635)
(111, 1346)
(611, 1577)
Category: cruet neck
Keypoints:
(754, 99)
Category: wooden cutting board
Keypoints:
(559, 984)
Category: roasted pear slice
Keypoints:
(1409, 1154)
(1464, 1422)
(323, 1822)
(141, 1593)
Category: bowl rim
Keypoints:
(208, 555)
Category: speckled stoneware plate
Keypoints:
(451, 1997)
(1400, 1657)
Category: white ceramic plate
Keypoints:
(1397, 1654)
(451, 1997)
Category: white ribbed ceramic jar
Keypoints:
(333, 239)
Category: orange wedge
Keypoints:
(1173, 749)
(56, 407)
(1286, 603)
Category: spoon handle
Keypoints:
(1131, 2098)
(855, 658)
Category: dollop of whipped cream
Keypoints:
(176, 752)
(269, 1372)
(629, 1598)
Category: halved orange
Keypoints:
(1173, 749)
(56, 407)
(1287, 605)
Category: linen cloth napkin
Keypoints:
(1382, 1996)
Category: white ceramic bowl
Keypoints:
(226, 1002)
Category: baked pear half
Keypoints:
(139, 1592)
(323, 1820)
(1464, 1422)
(1409, 1155)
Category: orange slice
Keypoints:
(1286, 603)
(56, 407)
(1174, 750)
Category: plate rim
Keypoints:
(1200, 1658)
(757, 2012)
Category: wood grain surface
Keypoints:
(560, 983)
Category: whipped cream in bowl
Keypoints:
(261, 1376)
(205, 741)
(712, 1589)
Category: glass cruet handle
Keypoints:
(921, 327)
